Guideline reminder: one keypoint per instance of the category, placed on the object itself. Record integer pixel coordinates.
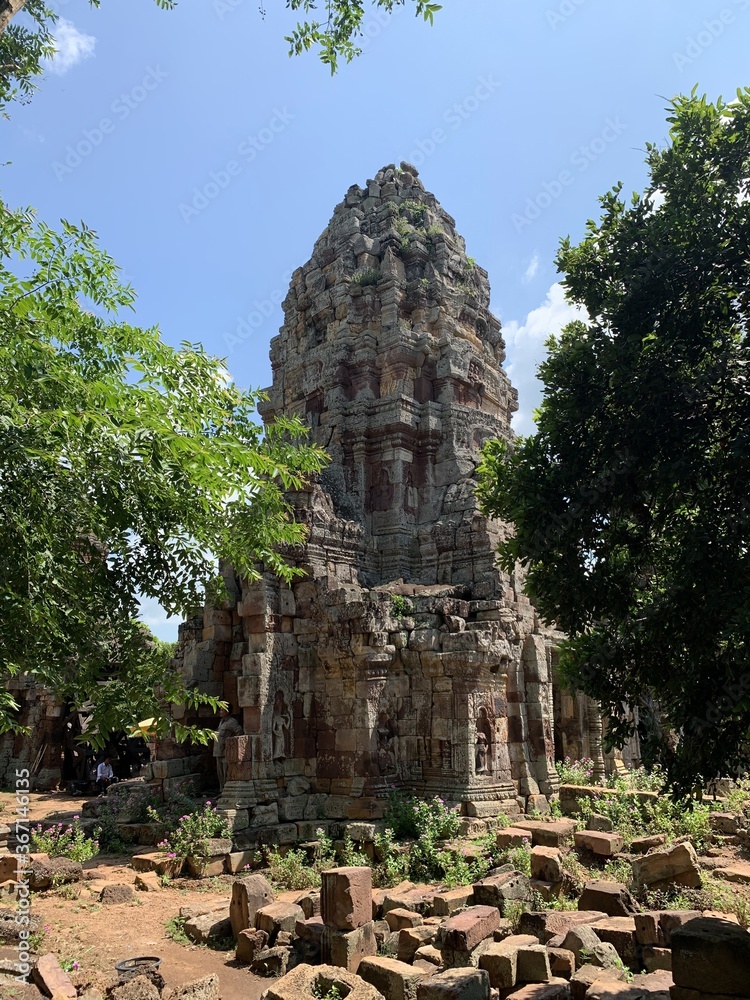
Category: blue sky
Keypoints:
(209, 162)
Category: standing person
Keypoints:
(228, 726)
(105, 776)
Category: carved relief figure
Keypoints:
(281, 727)
(387, 738)
(382, 491)
(480, 754)
(483, 745)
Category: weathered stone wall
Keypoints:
(404, 656)
(42, 750)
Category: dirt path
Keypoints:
(78, 928)
(82, 929)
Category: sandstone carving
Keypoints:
(404, 656)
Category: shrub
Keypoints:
(63, 841)
(618, 870)
(633, 818)
(637, 779)
(415, 210)
(393, 864)
(365, 278)
(574, 874)
(293, 870)
(575, 772)
(412, 818)
(353, 857)
(333, 993)
(458, 870)
(714, 894)
(520, 857)
(401, 606)
(142, 804)
(174, 928)
(194, 830)
(738, 799)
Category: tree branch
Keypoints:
(8, 10)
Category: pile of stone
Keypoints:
(419, 943)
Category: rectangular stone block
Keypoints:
(533, 964)
(53, 979)
(411, 939)
(712, 955)
(456, 984)
(275, 917)
(346, 898)
(604, 844)
(238, 749)
(395, 980)
(248, 691)
(445, 904)
(512, 836)
(553, 834)
(398, 919)
(248, 896)
(499, 889)
(501, 965)
(467, 929)
(346, 949)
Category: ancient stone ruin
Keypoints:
(404, 656)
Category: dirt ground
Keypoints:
(81, 929)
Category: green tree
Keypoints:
(127, 468)
(25, 43)
(335, 36)
(630, 503)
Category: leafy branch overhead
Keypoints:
(27, 35)
(630, 504)
(344, 22)
(127, 468)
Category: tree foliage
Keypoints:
(126, 469)
(630, 503)
(24, 45)
(335, 36)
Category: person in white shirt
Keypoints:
(105, 776)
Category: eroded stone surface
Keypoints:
(405, 655)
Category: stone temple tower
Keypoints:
(404, 656)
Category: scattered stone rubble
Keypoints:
(422, 943)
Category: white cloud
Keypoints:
(657, 198)
(525, 342)
(161, 624)
(71, 47)
(532, 269)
